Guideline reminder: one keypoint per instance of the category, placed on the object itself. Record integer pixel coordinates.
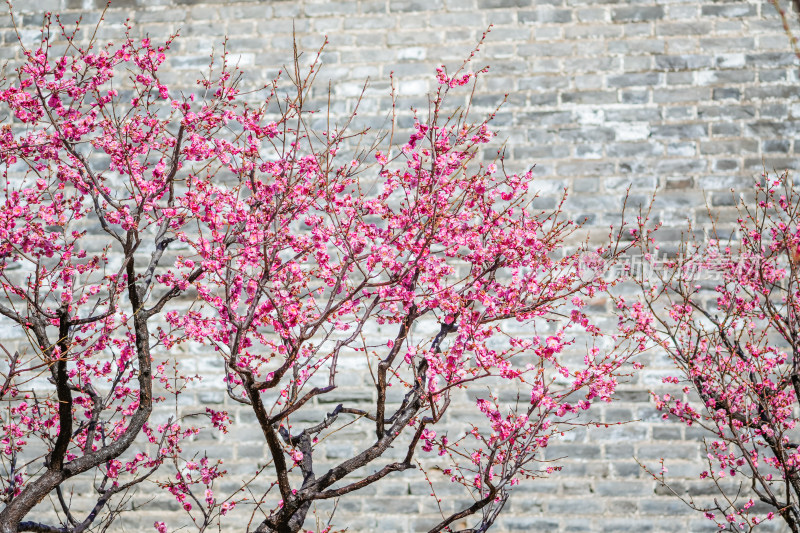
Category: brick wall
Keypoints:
(689, 97)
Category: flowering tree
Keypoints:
(728, 316)
(230, 222)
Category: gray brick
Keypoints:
(767, 92)
(451, 20)
(634, 149)
(724, 44)
(680, 62)
(725, 77)
(689, 94)
(684, 28)
(764, 129)
(637, 13)
(589, 151)
(682, 183)
(408, 6)
(675, 451)
(726, 129)
(545, 15)
(771, 59)
(629, 470)
(546, 118)
(396, 505)
(616, 525)
(772, 76)
(730, 112)
(702, 526)
(572, 507)
(546, 49)
(726, 93)
(779, 145)
(633, 114)
(690, 131)
(492, 4)
(576, 525)
(680, 166)
(736, 147)
(576, 451)
(635, 96)
(590, 14)
(542, 83)
(594, 31)
(623, 488)
(729, 10)
(588, 82)
(637, 29)
(370, 23)
(677, 113)
(725, 165)
(536, 153)
(529, 524)
(680, 78)
(587, 134)
(591, 64)
(632, 80)
(636, 46)
(589, 97)
(585, 168)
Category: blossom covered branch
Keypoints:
(297, 255)
(727, 315)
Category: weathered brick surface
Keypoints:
(689, 97)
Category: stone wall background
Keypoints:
(687, 97)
